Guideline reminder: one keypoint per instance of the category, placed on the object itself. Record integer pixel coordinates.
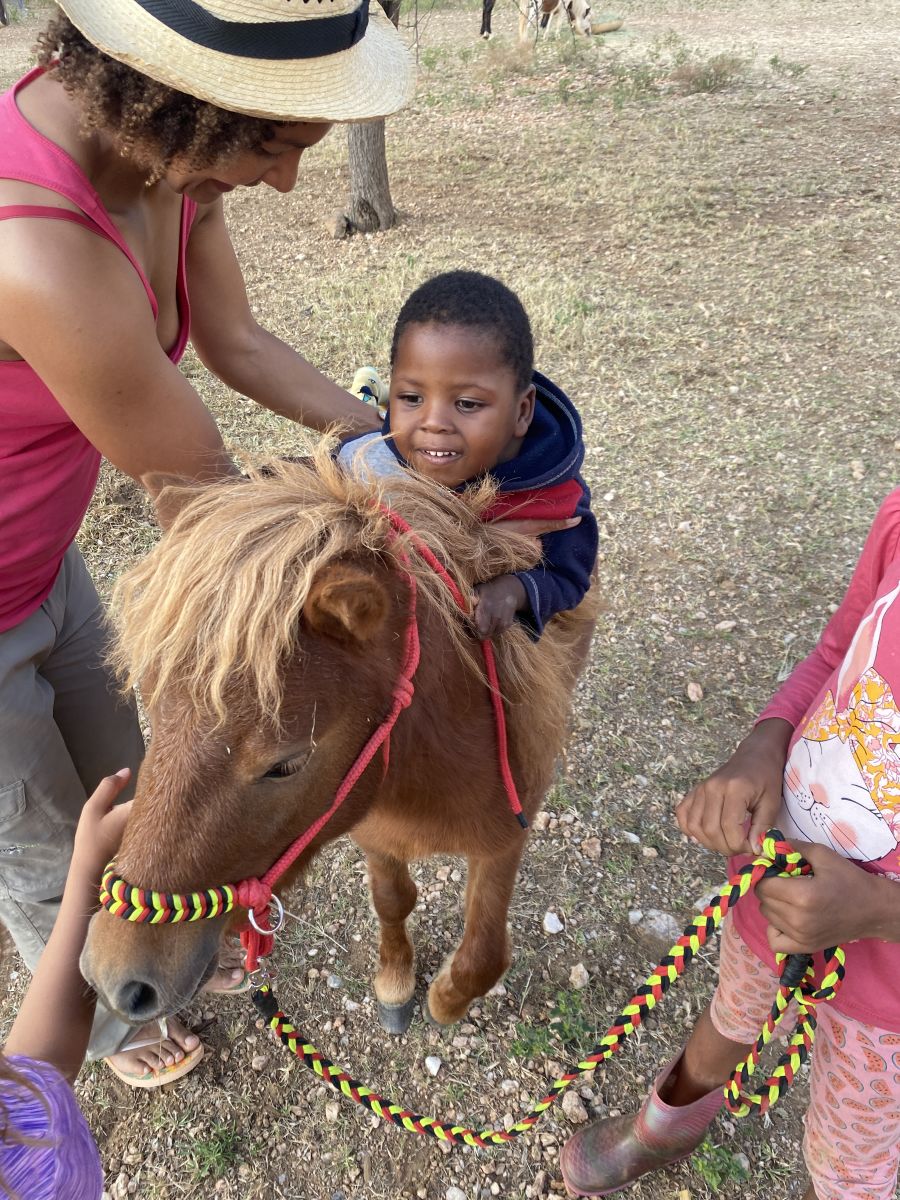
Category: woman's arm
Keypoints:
(245, 356)
(73, 307)
(58, 986)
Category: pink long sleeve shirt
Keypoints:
(842, 776)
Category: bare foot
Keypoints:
(159, 1053)
(230, 970)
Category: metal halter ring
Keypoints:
(279, 920)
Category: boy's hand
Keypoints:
(496, 604)
(101, 826)
(838, 903)
(746, 791)
(536, 526)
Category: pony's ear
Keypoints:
(346, 603)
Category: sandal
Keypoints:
(150, 1078)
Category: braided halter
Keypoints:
(143, 905)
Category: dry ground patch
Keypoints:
(713, 276)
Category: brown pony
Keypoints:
(266, 632)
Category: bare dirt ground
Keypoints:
(701, 216)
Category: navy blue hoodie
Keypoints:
(551, 454)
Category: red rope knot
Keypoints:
(404, 690)
(253, 893)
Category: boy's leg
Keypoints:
(852, 1140)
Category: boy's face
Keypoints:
(456, 410)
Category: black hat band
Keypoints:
(277, 40)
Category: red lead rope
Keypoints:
(258, 941)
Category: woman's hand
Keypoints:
(732, 809)
(838, 903)
(100, 827)
(496, 603)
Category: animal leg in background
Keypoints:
(528, 19)
(484, 952)
(487, 7)
(393, 898)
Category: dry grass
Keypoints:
(714, 278)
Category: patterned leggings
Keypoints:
(852, 1139)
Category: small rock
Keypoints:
(338, 224)
(508, 1087)
(659, 929)
(334, 981)
(332, 1111)
(725, 626)
(592, 848)
(578, 976)
(350, 1005)
(433, 1064)
(635, 915)
(454, 1193)
(649, 852)
(552, 923)
(541, 821)
(573, 1108)
(743, 1162)
(694, 692)
(541, 1183)
(498, 989)
(258, 1062)
(631, 837)
(244, 1171)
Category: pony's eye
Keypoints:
(287, 766)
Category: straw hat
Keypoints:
(309, 60)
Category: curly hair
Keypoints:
(478, 302)
(152, 123)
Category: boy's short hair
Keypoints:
(475, 301)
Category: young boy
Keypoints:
(466, 402)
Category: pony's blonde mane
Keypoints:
(217, 604)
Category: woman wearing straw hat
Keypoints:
(114, 156)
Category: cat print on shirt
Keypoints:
(842, 777)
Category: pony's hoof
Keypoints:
(431, 1019)
(396, 1018)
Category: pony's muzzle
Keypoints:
(141, 972)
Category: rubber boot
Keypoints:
(611, 1154)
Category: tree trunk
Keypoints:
(371, 206)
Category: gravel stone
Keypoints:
(573, 1108)
(578, 976)
(552, 923)
(433, 1064)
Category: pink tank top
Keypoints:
(48, 468)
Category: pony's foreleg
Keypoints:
(393, 897)
(484, 952)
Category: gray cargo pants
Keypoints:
(63, 726)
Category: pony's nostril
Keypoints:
(138, 1000)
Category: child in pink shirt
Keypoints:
(822, 764)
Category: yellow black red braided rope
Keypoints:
(162, 908)
(777, 858)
